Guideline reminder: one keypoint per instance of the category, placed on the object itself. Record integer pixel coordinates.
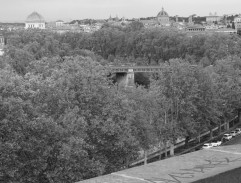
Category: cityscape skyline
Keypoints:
(67, 10)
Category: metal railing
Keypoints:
(135, 68)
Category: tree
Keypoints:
(35, 147)
(188, 99)
(225, 75)
(144, 113)
(63, 123)
(135, 26)
(81, 83)
(19, 59)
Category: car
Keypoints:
(227, 136)
(238, 131)
(207, 146)
(233, 133)
(216, 143)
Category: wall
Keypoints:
(232, 176)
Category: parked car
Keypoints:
(238, 131)
(233, 133)
(207, 146)
(216, 143)
(227, 136)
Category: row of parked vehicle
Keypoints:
(212, 144)
(234, 133)
(226, 137)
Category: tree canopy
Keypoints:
(63, 120)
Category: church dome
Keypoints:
(162, 13)
(35, 18)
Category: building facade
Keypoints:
(237, 23)
(35, 21)
(59, 23)
(2, 42)
(213, 18)
(163, 18)
(195, 28)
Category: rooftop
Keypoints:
(35, 18)
(195, 27)
(162, 13)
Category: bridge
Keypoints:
(125, 75)
(126, 69)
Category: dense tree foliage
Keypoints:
(63, 120)
(132, 44)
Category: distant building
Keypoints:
(1, 44)
(237, 23)
(163, 18)
(59, 23)
(179, 25)
(150, 23)
(213, 18)
(116, 19)
(195, 28)
(176, 18)
(226, 31)
(35, 21)
(190, 20)
(2, 41)
(110, 19)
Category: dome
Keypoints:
(162, 13)
(35, 18)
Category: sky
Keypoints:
(67, 10)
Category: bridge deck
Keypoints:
(135, 68)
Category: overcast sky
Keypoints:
(51, 10)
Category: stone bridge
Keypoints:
(125, 75)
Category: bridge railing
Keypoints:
(135, 68)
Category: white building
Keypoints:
(1, 44)
(35, 21)
(1, 41)
(213, 18)
(237, 21)
(59, 23)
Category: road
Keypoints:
(234, 141)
